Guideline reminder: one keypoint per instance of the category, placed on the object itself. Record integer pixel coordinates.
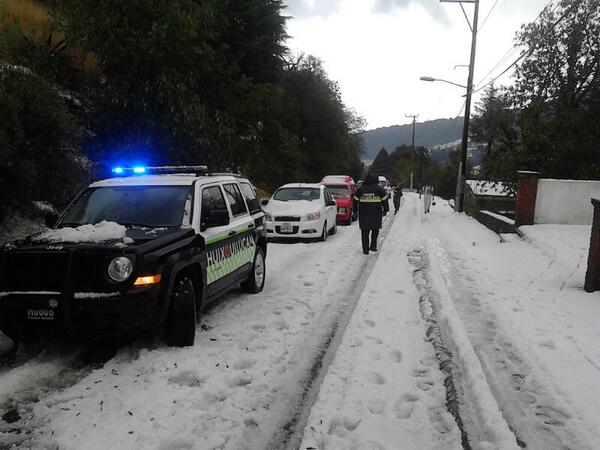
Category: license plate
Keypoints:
(40, 314)
(286, 228)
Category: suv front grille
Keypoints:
(35, 271)
(287, 218)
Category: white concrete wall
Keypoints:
(565, 201)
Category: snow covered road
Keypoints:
(447, 338)
(244, 384)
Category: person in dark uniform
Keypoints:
(397, 197)
(372, 203)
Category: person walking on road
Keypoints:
(427, 196)
(397, 197)
(371, 200)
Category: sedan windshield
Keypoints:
(287, 194)
(339, 190)
(145, 206)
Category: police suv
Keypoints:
(143, 251)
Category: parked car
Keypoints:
(342, 188)
(301, 210)
(143, 251)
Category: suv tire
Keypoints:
(182, 317)
(256, 279)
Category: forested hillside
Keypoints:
(427, 134)
(85, 85)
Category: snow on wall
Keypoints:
(565, 201)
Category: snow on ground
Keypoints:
(530, 322)
(384, 389)
(237, 386)
(522, 331)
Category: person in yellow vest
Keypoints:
(371, 201)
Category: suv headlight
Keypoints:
(268, 217)
(312, 217)
(120, 269)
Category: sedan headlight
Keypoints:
(268, 217)
(120, 269)
(312, 217)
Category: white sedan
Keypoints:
(301, 210)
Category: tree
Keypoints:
(557, 91)
(39, 157)
(495, 125)
(383, 164)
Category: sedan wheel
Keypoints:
(325, 233)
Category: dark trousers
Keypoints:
(365, 238)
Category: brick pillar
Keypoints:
(528, 185)
(592, 276)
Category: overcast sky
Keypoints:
(378, 49)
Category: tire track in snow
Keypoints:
(290, 435)
(418, 258)
(532, 411)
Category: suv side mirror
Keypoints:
(51, 219)
(215, 218)
(264, 202)
(330, 203)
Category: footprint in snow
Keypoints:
(548, 344)
(421, 372)
(187, 378)
(404, 406)
(243, 364)
(258, 327)
(425, 385)
(396, 356)
(308, 283)
(551, 415)
(369, 323)
(240, 380)
(374, 339)
(440, 420)
(342, 426)
(376, 378)
(376, 406)
(281, 325)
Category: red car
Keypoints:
(342, 187)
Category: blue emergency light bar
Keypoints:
(141, 170)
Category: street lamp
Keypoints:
(443, 81)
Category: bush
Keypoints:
(39, 158)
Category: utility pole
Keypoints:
(462, 168)
(412, 164)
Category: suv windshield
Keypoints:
(147, 206)
(338, 190)
(287, 194)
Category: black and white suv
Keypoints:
(143, 251)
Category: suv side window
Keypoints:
(235, 199)
(327, 195)
(250, 196)
(212, 199)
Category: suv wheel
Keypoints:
(256, 279)
(324, 234)
(182, 317)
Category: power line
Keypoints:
(488, 15)
(530, 49)
(514, 47)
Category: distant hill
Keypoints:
(428, 134)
